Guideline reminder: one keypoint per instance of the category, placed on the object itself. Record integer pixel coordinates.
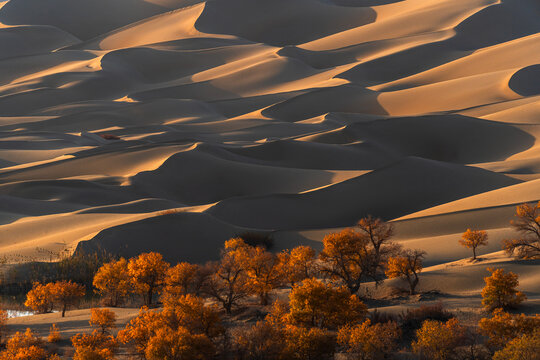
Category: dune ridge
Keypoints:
(189, 121)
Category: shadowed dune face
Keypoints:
(171, 125)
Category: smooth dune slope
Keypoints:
(172, 125)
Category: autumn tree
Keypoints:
(148, 272)
(527, 224)
(472, 239)
(298, 264)
(189, 315)
(261, 341)
(66, 294)
(525, 347)
(185, 278)
(3, 325)
(503, 327)
(500, 290)
(437, 340)
(263, 271)
(228, 282)
(94, 346)
(407, 265)
(378, 233)
(316, 304)
(103, 320)
(355, 256)
(40, 298)
(368, 341)
(113, 282)
(24, 346)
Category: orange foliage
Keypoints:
(437, 340)
(148, 272)
(66, 293)
(179, 344)
(39, 298)
(370, 342)
(264, 272)
(502, 327)
(525, 347)
(298, 264)
(113, 282)
(316, 304)
(500, 290)
(472, 239)
(407, 265)
(183, 279)
(103, 319)
(24, 346)
(54, 334)
(94, 346)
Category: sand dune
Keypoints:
(187, 122)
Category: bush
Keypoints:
(525, 347)
(370, 342)
(54, 334)
(437, 340)
(500, 290)
(412, 319)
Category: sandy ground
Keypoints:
(291, 117)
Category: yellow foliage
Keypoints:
(54, 334)
(67, 293)
(370, 342)
(316, 304)
(437, 340)
(190, 312)
(139, 330)
(308, 343)
(24, 346)
(113, 282)
(103, 319)
(183, 279)
(500, 290)
(502, 327)
(94, 346)
(527, 223)
(260, 341)
(525, 347)
(148, 272)
(179, 344)
(472, 239)
(264, 272)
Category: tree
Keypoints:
(353, 257)
(113, 282)
(179, 344)
(437, 340)
(503, 327)
(472, 239)
(24, 346)
(94, 346)
(500, 290)
(378, 233)
(407, 265)
(183, 279)
(148, 272)
(264, 272)
(525, 347)
(140, 330)
(3, 325)
(316, 304)
(190, 312)
(527, 224)
(39, 298)
(67, 294)
(228, 282)
(298, 264)
(370, 342)
(102, 319)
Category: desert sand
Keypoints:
(172, 125)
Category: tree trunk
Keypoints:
(149, 295)
(64, 310)
(474, 253)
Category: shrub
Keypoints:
(94, 346)
(503, 327)
(102, 319)
(370, 342)
(262, 341)
(525, 347)
(54, 334)
(437, 340)
(24, 346)
(412, 319)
